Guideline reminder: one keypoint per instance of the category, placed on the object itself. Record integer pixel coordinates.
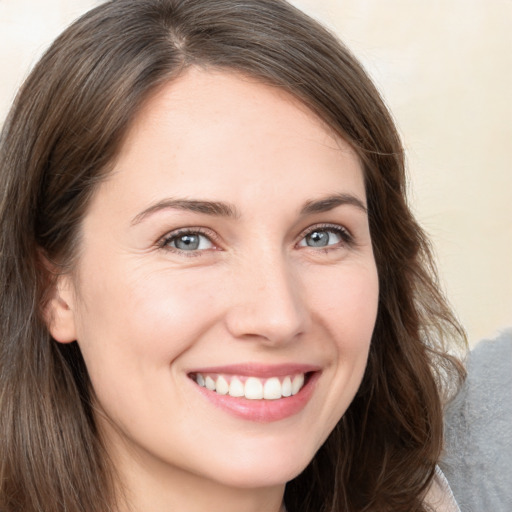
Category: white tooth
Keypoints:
(209, 383)
(200, 379)
(272, 389)
(298, 382)
(286, 386)
(236, 388)
(253, 389)
(222, 386)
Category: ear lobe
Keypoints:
(59, 311)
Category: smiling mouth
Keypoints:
(252, 388)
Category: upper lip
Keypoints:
(258, 370)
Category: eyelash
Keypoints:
(164, 243)
(346, 237)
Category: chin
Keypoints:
(261, 468)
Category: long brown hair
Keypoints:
(62, 135)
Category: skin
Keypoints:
(146, 314)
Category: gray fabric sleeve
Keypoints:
(478, 429)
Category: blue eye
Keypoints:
(188, 241)
(324, 237)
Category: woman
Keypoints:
(215, 295)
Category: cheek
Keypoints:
(347, 302)
(131, 333)
(148, 316)
(347, 309)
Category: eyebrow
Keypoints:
(329, 203)
(221, 209)
(214, 208)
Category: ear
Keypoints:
(59, 310)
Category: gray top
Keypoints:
(478, 455)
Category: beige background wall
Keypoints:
(445, 69)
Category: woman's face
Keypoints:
(229, 248)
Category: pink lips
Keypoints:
(260, 410)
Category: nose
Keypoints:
(267, 302)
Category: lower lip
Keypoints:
(262, 411)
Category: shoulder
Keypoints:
(478, 425)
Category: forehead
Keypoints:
(208, 132)
(221, 95)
